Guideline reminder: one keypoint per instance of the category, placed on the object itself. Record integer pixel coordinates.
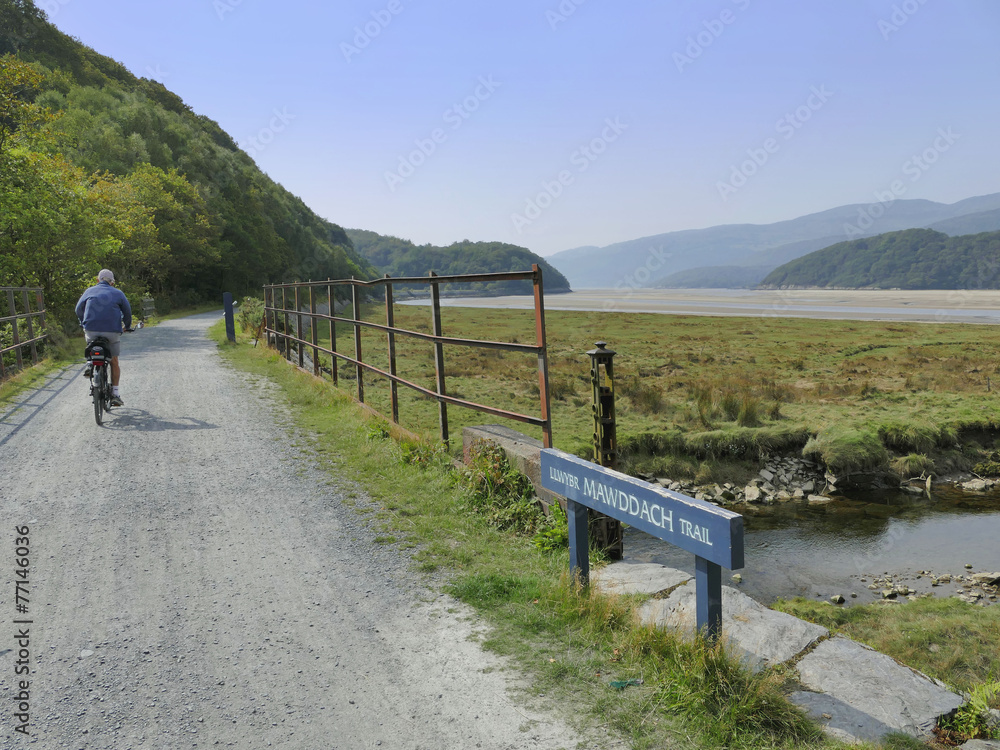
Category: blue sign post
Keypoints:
(713, 534)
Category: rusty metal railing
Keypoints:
(9, 314)
(285, 301)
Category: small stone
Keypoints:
(819, 499)
(837, 599)
(809, 487)
(738, 578)
(767, 475)
(889, 593)
(968, 566)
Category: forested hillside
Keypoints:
(911, 259)
(398, 257)
(100, 168)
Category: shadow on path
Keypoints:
(27, 404)
(140, 420)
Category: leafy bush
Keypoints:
(554, 532)
(500, 493)
(251, 317)
(972, 720)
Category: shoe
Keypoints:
(117, 401)
(88, 371)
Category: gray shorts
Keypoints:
(115, 339)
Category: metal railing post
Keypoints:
(333, 332)
(13, 328)
(390, 319)
(31, 326)
(357, 341)
(543, 355)
(298, 328)
(313, 333)
(439, 358)
(285, 325)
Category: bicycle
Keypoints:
(98, 354)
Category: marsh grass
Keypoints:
(918, 388)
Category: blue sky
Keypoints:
(555, 124)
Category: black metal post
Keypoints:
(608, 531)
(227, 303)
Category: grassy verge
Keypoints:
(59, 352)
(571, 643)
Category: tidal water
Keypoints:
(818, 551)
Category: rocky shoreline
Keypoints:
(798, 480)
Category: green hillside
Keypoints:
(911, 259)
(100, 168)
(398, 257)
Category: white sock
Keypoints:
(114, 390)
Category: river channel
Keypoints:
(818, 551)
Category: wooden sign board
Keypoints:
(713, 534)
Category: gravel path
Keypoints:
(196, 583)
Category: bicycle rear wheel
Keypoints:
(97, 389)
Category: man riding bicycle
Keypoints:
(101, 311)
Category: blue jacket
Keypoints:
(102, 308)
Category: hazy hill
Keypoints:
(166, 197)
(984, 221)
(649, 259)
(716, 277)
(910, 259)
(399, 257)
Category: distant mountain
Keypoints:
(646, 260)
(911, 259)
(399, 257)
(984, 221)
(716, 277)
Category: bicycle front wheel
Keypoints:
(97, 389)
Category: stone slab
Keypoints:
(981, 745)
(759, 636)
(868, 694)
(637, 578)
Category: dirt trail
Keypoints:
(195, 583)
